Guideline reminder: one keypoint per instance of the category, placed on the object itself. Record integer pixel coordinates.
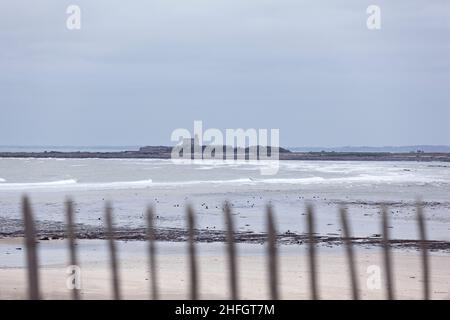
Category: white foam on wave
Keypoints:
(34, 185)
(360, 179)
(200, 182)
(73, 185)
(308, 180)
(115, 185)
(2, 180)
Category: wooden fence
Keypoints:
(272, 255)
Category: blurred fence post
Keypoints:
(152, 252)
(387, 255)
(31, 247)
(71, 242)
(350, 254)
(424, 249)
(192, 253)
(312, 253)
(231, 252)
(112, 252)
(272, 252)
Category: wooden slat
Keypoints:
(71, 242)
(424, 249)
(272, 254)
(312, 253)
(192, 254)
(152, 253)
(31, 247)
(112, 253)
(350, 254)
(231, 249)
(387, 255)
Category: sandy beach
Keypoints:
(253, 282)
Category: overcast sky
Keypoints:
(139, 69)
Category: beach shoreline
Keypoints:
(220, 236)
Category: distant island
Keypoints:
(407, 153)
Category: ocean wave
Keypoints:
(200, 182)
(2, 180)
(362, 179)
(308, 180)
(74, 185)
(34, 185)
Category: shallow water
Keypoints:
(132, 184)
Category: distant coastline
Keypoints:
(383, 149)
(164, 152)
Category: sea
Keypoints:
(131, 185)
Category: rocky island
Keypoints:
(165, 152)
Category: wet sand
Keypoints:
(173, 277)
